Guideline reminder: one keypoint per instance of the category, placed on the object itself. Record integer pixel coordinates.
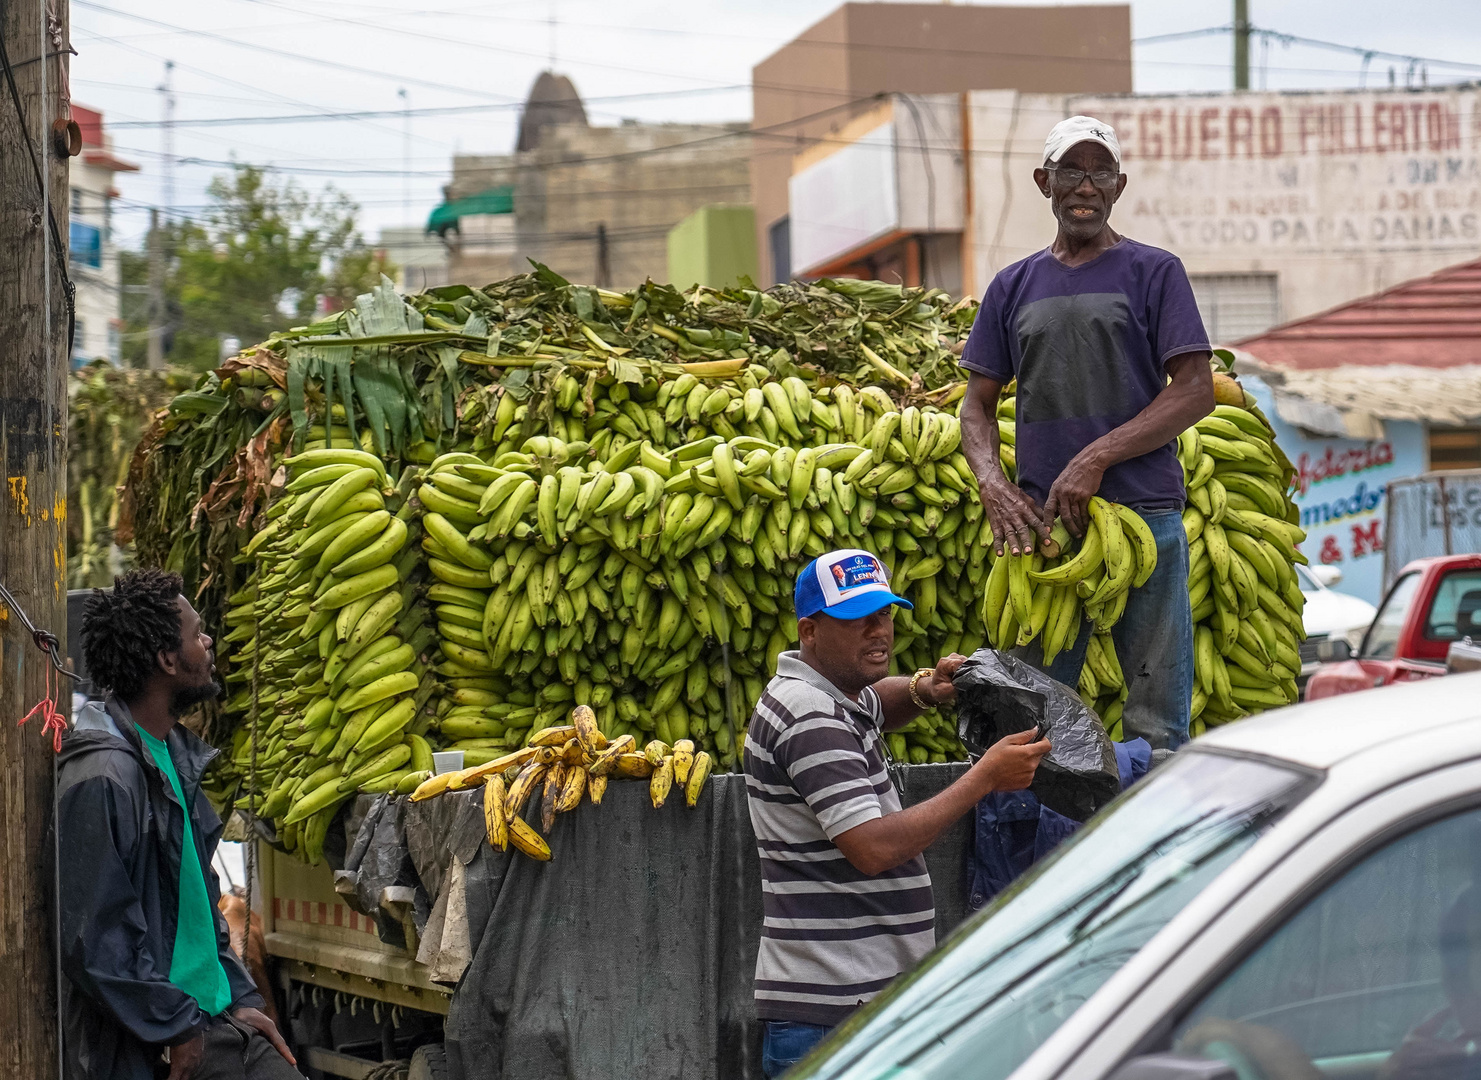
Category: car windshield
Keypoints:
(1012, 974)
(1383, 635)
(1304, 579)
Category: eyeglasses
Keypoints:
(1069, 178)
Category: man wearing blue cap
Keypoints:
(847, 899)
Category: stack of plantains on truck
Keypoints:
(473, 510)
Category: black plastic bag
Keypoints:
(998, 694)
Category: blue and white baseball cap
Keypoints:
(846, 584)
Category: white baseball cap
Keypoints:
(1078, 129)
(846, 584)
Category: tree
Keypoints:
(262, 258)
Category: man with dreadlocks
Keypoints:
(149, 969)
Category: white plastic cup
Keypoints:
(446, 761)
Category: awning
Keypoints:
(1352, 401)
(496, 200)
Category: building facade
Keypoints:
(594, 203)
(1280, 205)
(92, 256)
(809, 96)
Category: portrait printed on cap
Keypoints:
(851, 575)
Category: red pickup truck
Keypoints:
(1433, 603)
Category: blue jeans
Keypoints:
(1154, 642)
(786, 1043)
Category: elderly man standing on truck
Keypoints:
(1112, 362)
(149, 970)
(846, 895)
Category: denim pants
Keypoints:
(786, 1042)
(1154, 642)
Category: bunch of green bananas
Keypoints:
(628, 539)
(635, 551)
(1242, 531)
(326, 641)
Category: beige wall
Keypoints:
(638, 180)
(829, 72)
(1338, 194)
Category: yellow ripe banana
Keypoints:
(596, 787)
(554, 736)
(585, 722)
(699, 772)
(656, 751)
(573, 786)
(555, 783)
(661, 782)
(633, 766)
(431, 787)
(606, 761)
(527, 840)
(520, 790)
(495, 823)
(683, 756)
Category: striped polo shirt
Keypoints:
(832, 937)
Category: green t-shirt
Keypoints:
(196, 965)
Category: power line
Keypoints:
(280, 54)
(429, 110)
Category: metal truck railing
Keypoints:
(1437, 513)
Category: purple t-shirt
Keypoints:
(1089, 347)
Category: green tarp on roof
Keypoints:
(496, 200)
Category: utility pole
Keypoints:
(604, 269)
(156, 309)
(167, 141)
(33, 488)
(1241, 44)
(405, 156)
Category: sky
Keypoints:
(474, 60)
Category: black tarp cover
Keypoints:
(631, 953)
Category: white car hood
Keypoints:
(1334, 613)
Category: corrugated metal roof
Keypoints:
(1430, 322)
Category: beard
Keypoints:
(206, 688)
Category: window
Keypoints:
(76, 203)
(1455, 448)
(1236, 306)
(780, 236)
(1456, 610)
(1379, 976)
(1016, 971)
(1383, 636)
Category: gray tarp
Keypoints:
(632, 952)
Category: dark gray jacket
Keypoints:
(121, 830)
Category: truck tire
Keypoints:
(429, 1063)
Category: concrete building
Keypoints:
(1280, 205)
(420, 259)
(93, 258)
(812, 93)
(593, 203)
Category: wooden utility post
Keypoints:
(33, 489)
(1241, 44)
